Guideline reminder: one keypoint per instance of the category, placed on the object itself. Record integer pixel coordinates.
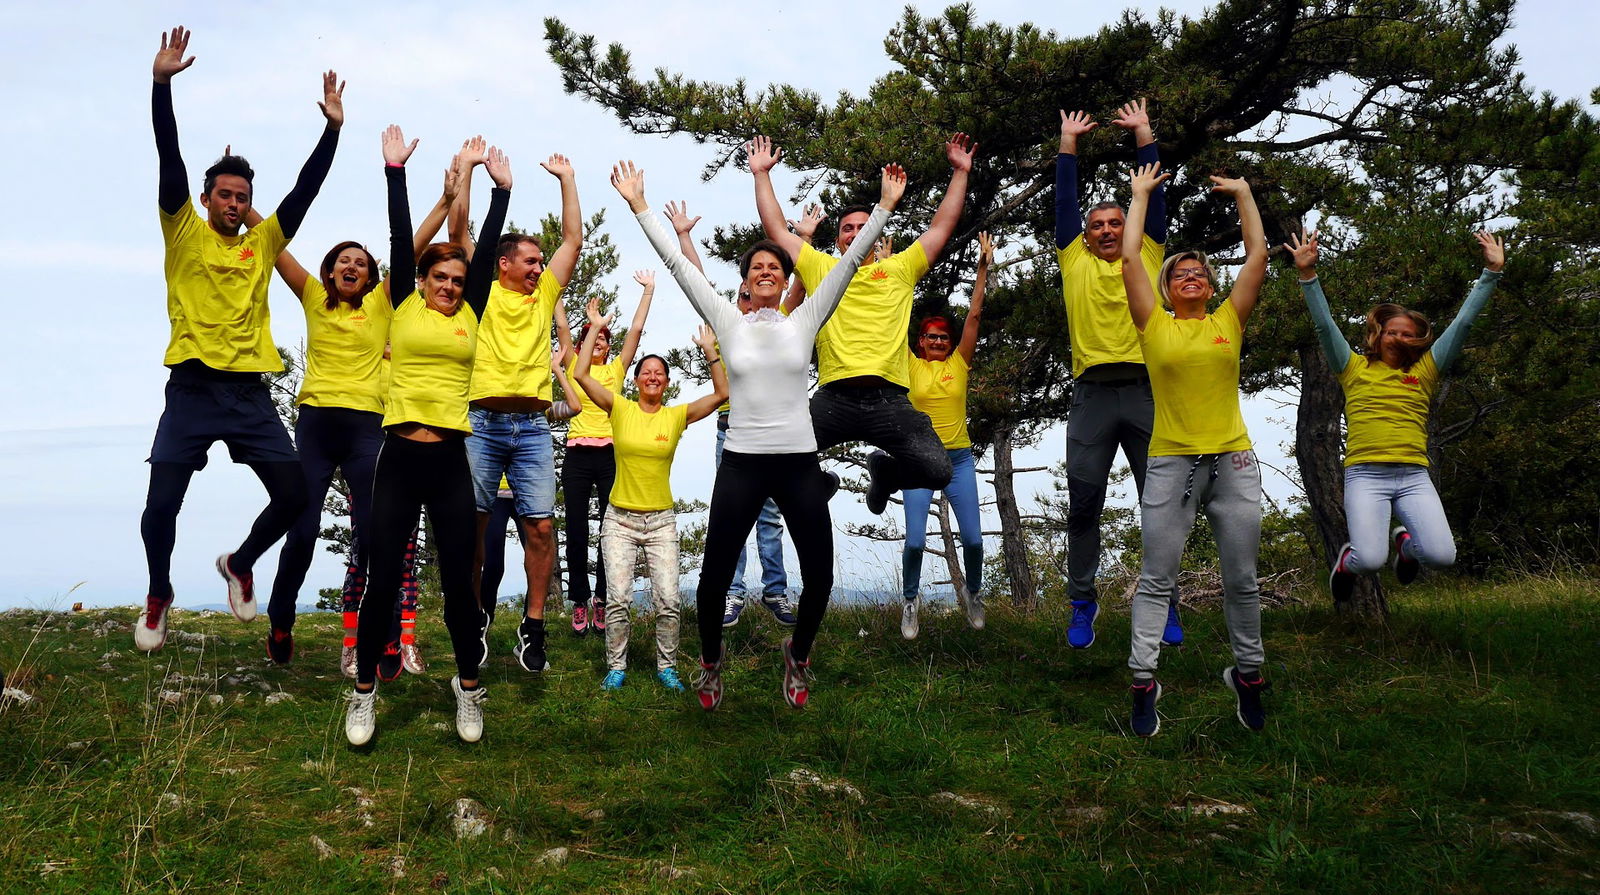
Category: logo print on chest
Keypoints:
(1410, 380)
(1221, 340)
(247, 254)
(662, 438)
(878, 273)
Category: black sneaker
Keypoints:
(878, 490)
(1146, 721)
(831, 486)
(1340, 582)
(1406, 569)
(390, 664)
(1247, 692)
(280, 647)
(529, 651)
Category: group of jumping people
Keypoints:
(431, 389)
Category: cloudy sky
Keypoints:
(83, 369)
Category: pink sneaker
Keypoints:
(796, 677)
(597, 615)
(708, 685)
(580, 619)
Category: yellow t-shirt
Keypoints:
(1387, 410)
(1098, 323)
(644, 445)
(939, 389)
(866, 334)
(344, 350)
(1194, 375)
(430, 361)
(514, 344)
(217, 293)
(592, 422)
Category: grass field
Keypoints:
(1458, 749)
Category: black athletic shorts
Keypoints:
(205, 406)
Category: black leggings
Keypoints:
(412, 475)
(494, 551)
(586, 470)
(327, 438)
(745, 482)
(286, 493)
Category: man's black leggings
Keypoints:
(286, 493)
(587, 470)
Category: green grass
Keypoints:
(1437, 754)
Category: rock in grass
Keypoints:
(977, 806)
(12, 694)
(807, 780)
(671, 872)
(594, 814)
(554, 857)
(397, 866)
(1211, 808)
(323, 849)
(468, 818)
(280, 696)
(170, 697)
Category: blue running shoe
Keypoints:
(778, 605)
(1080, 634)
(1146, 721)
(730, 615)
(614, 679)
(669, 679)
(1172, 634)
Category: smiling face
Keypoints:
(602, 347)
(765, 280)
(443, 285)
(651, 379)
(849, 226)
(935, 342)
(1189, 284)
(350, 272)
(520, 270)
(227, 203)
(1394, 340)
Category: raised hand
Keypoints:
(1494, 250)
(169, 59)
(395, 148)
(645, 278)
(893, 186)
(598, 320)
(806, 227)
(1147, 177)
(1304, 252)
(1076, 124)
(499, 167)
(629, 182)
(705, 338)
(558, 165)
(452, 179)
(678, 216)
(1232, 186)
(474, 151)
(1132, 116)
(884, 249)
(761, 155)
(959, 150)
(332, 103)
(985, 248)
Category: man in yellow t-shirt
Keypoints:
(861, 353)
(1112, 404)
(510, 391)
(220, 344)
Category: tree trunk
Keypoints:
(1317, 441)
(1013, 543)
(952, 550)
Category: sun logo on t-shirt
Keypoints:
(947, 378)
(878, 273)
(247, 254)
(662, 438)
(461, 331)
(1410, 380)
(1221, 340)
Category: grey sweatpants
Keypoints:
(1228, 487)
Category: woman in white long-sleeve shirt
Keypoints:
(771, 451)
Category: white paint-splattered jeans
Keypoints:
(621, 535)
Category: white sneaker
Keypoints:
(469, 711)
(150, 631)
(411, 658)
(973, 604)
(241, 591)
(908, 618)
(360, 717)
(347, 662)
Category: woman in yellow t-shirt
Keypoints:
(1200, 456)
(939, 389)
(1388, 391)
(645, 434)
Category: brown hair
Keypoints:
(439, 252)
(1411, 350)
(509, 242)
(771, 248)
(328, 260)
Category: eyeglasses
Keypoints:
(1179, 275)
(936, 337)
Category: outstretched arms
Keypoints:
(959, 150)
(1069, 222)
(295, 205)
(762, 157)
(1247, 285)
(630, 342)
(678, 216)
(1448, 346)
(591, 386)
(629, 183)
(172, 189)
(481, 271)
(402, 263)
(474, 151)
(1141, 292)
(1334, 347)
(705, 405)
(565, 260)
(436, 216)
(980, 282)
(1135, 118)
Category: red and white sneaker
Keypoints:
(796, 677)
(241, 590)
(1406, 569)
(150, 632)
(580, 619)
(708, 685)
(597, 615)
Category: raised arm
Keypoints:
(816, 311)
(591, 386)
(172, 188)
(402, 263)
(474, 151)
(806, 229)
(292, 211)
(763, 157)
(481, 270)
(1334, 347)
(570, 404)
(705, 405)
(1141, 292)
(630, 342)
(678, 216)
(959, 150)
(1069, 221)
(1448, 346)
(1247, 285)
(565, 260)
(289, 269)
(629, 182)
(1135, 118)
(436, 216)
(980, 282)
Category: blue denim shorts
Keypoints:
(516, 445)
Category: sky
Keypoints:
(83, 370)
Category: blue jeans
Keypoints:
(963, 495)
(516, 445)
(769, 541)
(1371, 490)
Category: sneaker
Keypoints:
(529, 651)
(597, 615)
(1146, 720)
(280, 647)
(411, 658)
(908, 618)
(972, 605)
(360, 716)
(878, 490)
(1406, 569)
(1080, 634)
(347, 662)
(614, 679)
(1341, 583)
(241, 590)
(730, 616)
(150, 632)
(708, 685)
(778, 605)
(390, 664)
(580, 619)
(796, 677)
(1247, 693)
(669, 679)
(469, 710)
(831, 486)
(1172, 634)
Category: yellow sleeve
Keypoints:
(910, 264)
(1229, 318)
(1349, 374)
(178, 226)
(1152, 254)
(812, 266)
(680, 416)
